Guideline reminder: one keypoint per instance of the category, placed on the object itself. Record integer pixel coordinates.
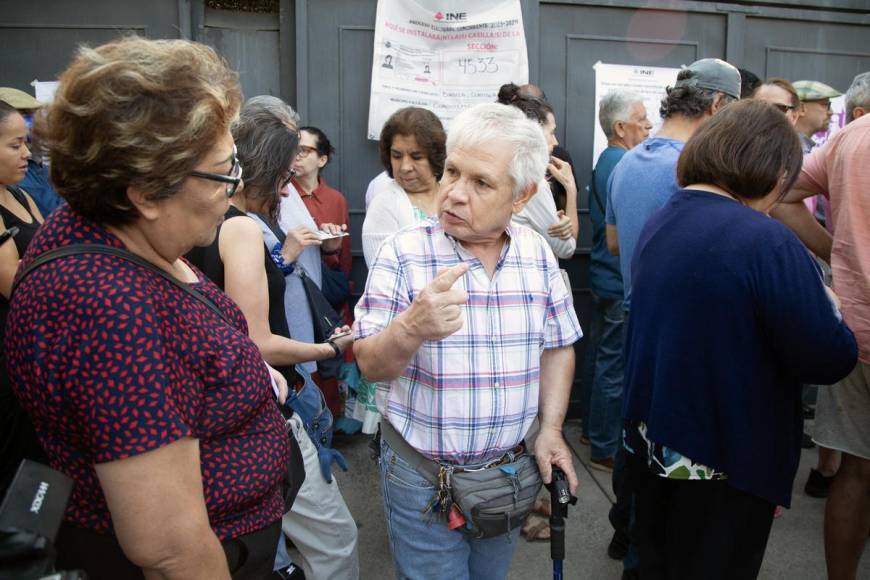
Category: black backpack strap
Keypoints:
(76, 249)
(276, 229)
(593, 193)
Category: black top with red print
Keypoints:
(112, 361)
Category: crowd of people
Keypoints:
(179, 336)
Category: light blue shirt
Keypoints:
(293, 214)
(641, 183)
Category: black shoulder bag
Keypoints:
(323, 316)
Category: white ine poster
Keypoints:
(44, 91)
(647, 81)
(444, 55)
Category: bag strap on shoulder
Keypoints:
(276, 229)
(76, 249)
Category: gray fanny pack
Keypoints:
(492, 500)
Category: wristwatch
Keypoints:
(334, 347)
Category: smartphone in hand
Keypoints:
(324, 235)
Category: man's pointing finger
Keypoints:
(447, 278)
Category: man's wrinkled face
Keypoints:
(637, 128)
(817, 114)
(477, 192)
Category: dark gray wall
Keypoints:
(38, 38)
(316, 54)
(794, 39)
(250, 42)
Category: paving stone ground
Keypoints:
(795, 550)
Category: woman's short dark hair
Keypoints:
(324, 147)
(425, 127)
(689, 101)
(535, 108)
(135, 112)
(748, 149)
(266, 147)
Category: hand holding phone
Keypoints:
(341, 339)
(324, 235)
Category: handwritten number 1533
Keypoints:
(482, 65)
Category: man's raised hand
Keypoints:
(436, 312)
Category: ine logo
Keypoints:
(451, 16)
(39, 497)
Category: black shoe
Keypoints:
(291, 572)
(631, 574)
(807, 442)
(618, 547)
(818, 485)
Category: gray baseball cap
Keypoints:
(715, 75)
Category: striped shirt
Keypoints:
(473, 395)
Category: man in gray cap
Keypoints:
(644, 180)
(815, 111)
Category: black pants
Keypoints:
(697, 529)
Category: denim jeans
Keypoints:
(605, 402)
(423, 546)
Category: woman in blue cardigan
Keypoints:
(729, 317)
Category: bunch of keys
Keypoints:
(442, 500)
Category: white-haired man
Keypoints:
(467, 322)
(623, 119)
(858, 97)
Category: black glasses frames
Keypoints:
(232, 180)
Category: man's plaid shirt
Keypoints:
(473, 395)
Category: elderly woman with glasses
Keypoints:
(259, 274)
(138, 372)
